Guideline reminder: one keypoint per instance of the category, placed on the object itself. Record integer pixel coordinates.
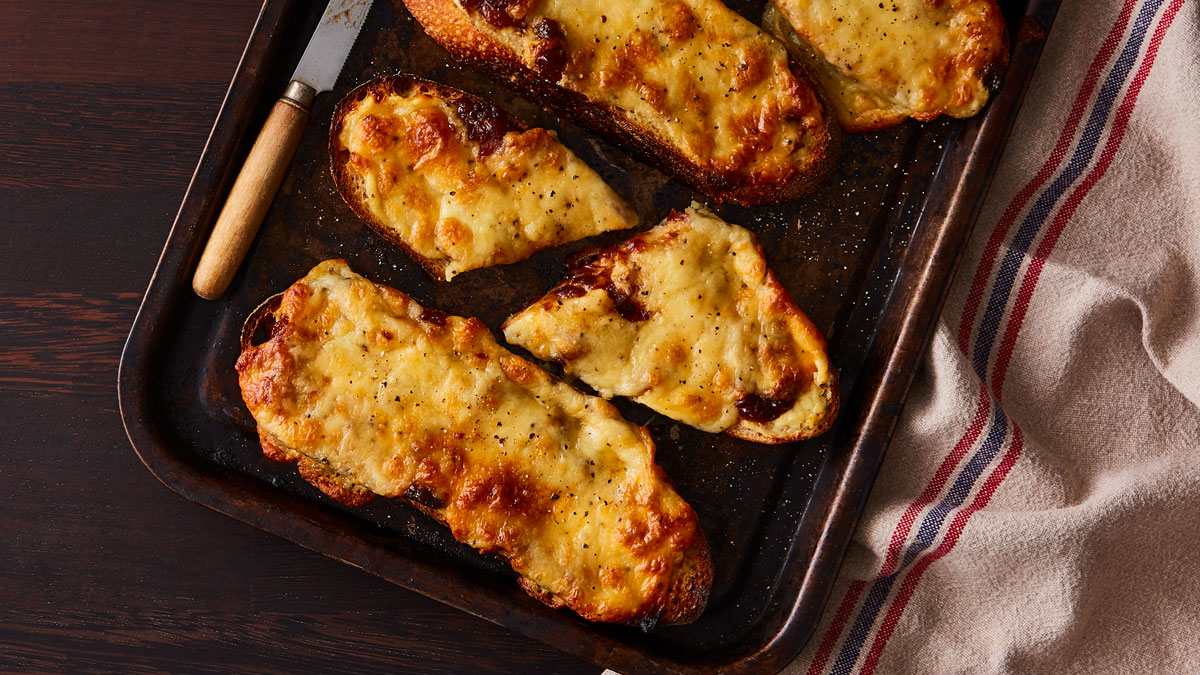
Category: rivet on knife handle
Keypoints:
(253, 192)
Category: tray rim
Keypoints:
(901, 335)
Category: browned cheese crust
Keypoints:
(372, 394)
(687, 319)
(881, 63)
(459, 183)
(688, 85)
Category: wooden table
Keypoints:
(103, 112)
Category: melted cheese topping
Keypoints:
(712, 328)
(412, 402)
(881, 62)
(461, 204)
(698, 75)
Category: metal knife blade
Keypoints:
(330, 44)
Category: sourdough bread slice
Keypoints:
(688, 320)
(371, 393)
(881, 63)
(459, 183)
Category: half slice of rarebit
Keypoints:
(882, 62)
(459, 183)
(372, 394)
(688, 320)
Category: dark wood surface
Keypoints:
(104, 109)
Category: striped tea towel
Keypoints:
(1039, 508)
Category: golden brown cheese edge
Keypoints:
(969, 75)
(620, 322)
(447, 222)
(659, 535)
(450, 25)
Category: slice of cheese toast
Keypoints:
(373, 394)
(689, 85)
(883, 62)
(459, 183)
(688, 320)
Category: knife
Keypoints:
(264, 168)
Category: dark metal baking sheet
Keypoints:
(868, 257)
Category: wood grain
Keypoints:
(104, 108)
(88, 135)
(249, 199)
(237, 645)
(39, 356)
(139, 42)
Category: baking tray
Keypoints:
(868, 257)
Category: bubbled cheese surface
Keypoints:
(461, 206)
(408, 402)
(694, 72)
(713, 326)
(883, 61)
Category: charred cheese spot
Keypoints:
(461, 184)
(510, 459)
(376, 133)
(753, 69)
(679, 23)
(882, 62)
(652, 61)
(486, 124)
(716, 341)
(452, 235)
(500, 13)
(426, 135)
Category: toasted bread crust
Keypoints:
(689, 588)
(449, 25)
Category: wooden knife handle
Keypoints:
(251, 196)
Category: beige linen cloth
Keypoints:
(1038, 510)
